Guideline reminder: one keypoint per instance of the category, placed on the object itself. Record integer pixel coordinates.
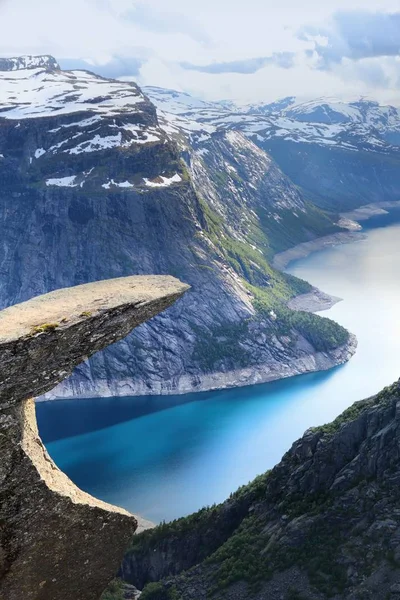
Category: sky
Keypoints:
(249, 51)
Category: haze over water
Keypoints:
(164, 459)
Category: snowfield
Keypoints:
(38, 92)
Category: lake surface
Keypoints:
(162, 458)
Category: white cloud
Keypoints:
(153, 38)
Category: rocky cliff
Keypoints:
(92, 187)
(324, 523)
(57, 542)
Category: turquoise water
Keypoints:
(163, 459)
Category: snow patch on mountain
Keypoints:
(175, 102)
(39, 152)
(163, 181)
(62, 181)
(122, 184)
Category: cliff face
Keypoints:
(57, 542)
(324, 523)
(91, 187)
(250, 192)
(339, 178)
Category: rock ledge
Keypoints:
(57, 542)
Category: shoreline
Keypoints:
(282, 259)
(209, 382)
(314, 301)
(349, 220)
(375, 209)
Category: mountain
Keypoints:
(244, 185)
(92, 187)
(341, 154)
(324, 523)
(271, 107)
(28, 62)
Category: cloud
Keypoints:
(372, 74)
(354, 35)
(159, 21)
(368, 71)
(218, 42)
(119, 66)
(285, 60)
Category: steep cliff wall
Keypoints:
(57, 542)
(324, 523)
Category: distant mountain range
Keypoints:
(327, 121)
(341, 154)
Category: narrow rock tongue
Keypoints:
(28, 62)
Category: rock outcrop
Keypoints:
(57, 542)
(324, 523)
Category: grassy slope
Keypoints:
(271, 290)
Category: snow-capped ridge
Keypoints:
(177, 102)
(271, 107)
(16, 63)
(80, 122)
(37, 92)
(360, 123)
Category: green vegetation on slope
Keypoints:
(114, 591)
(354, 411)
(322, 333)
(271, 291)
(190, 540)
(222, 343)
(292, 229)
(156, 591)
(248, 262)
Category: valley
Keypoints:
(165, 457)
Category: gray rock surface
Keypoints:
(57, 542)
(313, 301)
